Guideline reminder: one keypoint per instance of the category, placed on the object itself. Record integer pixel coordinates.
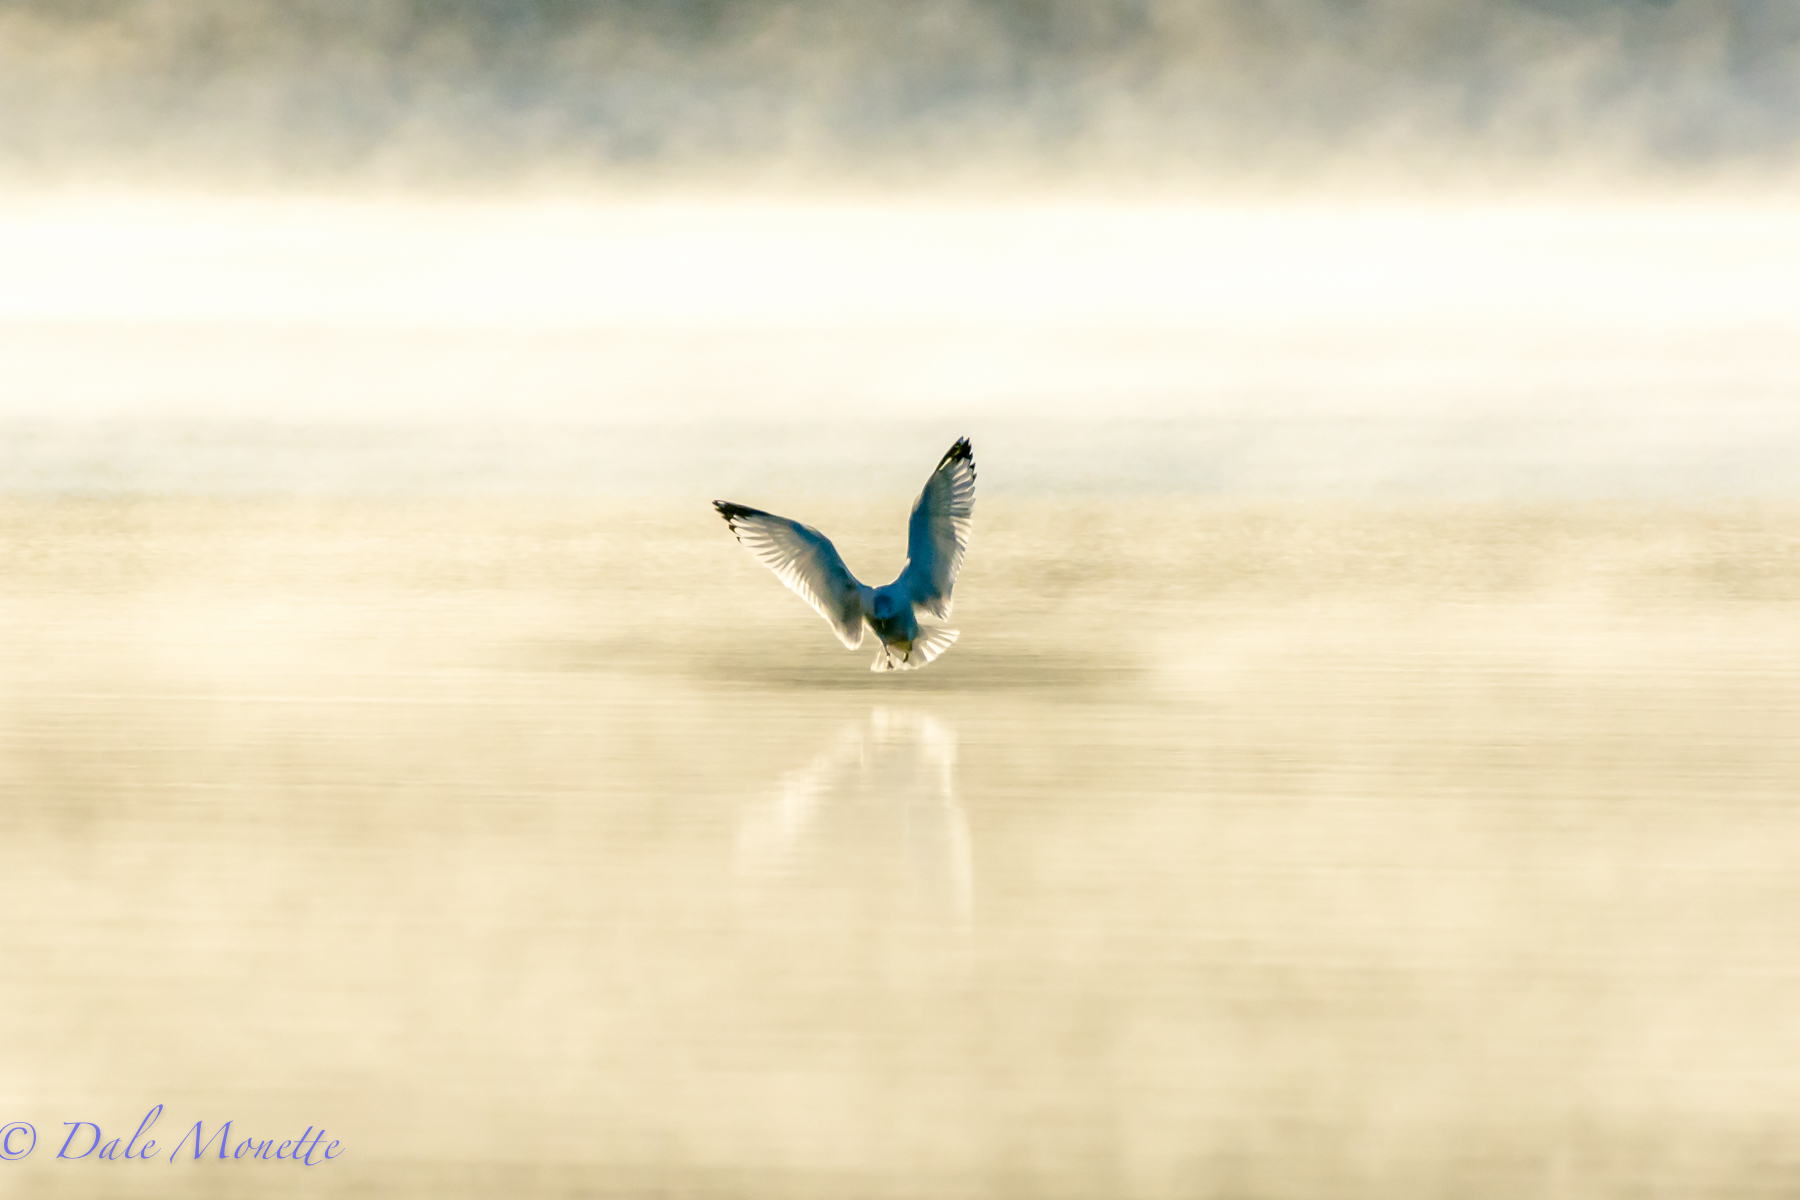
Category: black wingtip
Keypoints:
(956, 453)
(731, 512)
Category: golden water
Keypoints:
(555, 849)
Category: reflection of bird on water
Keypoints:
(937, 536)
(887, 783)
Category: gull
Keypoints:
(937, 535)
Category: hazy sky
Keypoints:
(182, 345)
(479, 215)
(486, 92)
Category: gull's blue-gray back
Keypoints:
(805, 560)
(938, 534)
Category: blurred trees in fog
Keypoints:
(453, 88)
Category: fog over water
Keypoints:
(554, 848)
(1367, 766)
(202, 345)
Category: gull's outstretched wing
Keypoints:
(806, 561)
(939, 531)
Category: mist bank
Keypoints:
(482, 93)
(744, 350)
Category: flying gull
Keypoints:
(937, 535)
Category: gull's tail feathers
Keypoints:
(927, 646)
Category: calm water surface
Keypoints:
(554, 849)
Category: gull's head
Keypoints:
(884, 605)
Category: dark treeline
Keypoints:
(464, 88)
